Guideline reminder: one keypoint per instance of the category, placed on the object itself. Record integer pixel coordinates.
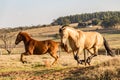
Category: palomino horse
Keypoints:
(79, 41)
(35, 47)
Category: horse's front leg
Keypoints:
(76, 57)
(81, 61)
(21, 58)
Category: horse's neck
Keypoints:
(26, 39)
(75, 38)
(73, 34)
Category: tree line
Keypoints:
(105, 19)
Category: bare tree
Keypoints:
(7, 38)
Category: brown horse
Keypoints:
(35, 47)
(80, 40)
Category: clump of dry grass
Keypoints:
(47, 63)
(108, 70)
(112, 62)
(102, 68)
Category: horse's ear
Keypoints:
(63, 28)
(20, 32)
(60, 30)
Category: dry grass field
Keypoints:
(38, 66)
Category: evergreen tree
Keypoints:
(109, 18)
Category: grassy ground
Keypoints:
(102, 67)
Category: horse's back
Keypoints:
(93, 39)
(52, 45)
(42, 47)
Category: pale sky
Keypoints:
(15, 13)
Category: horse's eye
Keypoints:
(19, 37)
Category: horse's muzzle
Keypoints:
(65, 47)
(16, 42)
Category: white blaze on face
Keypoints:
(64, 37)
(64, 40)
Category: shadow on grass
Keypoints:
(78, 74)
(103, 71)
(94, 73)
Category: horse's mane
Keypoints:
(78, 30)
(24, 34)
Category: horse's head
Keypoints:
(64, 36)
(19, 38)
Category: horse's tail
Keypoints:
(107, 47)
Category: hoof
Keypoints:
(81, 61)
(88, 61)
(76, 57)
(24, 62)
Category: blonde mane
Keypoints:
(75, 36)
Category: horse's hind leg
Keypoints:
(93, 54)
(85, 56)
(55, 57)
(90, 58)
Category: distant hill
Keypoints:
(106, 19)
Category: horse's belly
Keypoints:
(93, 43)
(89, 44)
(39, 52)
